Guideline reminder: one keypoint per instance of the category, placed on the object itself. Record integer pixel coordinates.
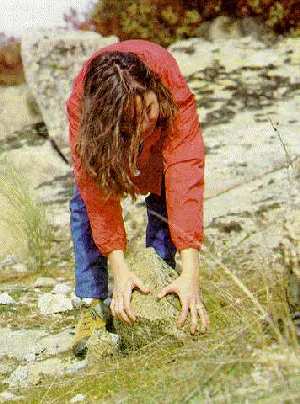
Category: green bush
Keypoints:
(282, 16)
(166, 21)
(160, 21)
(11, 68)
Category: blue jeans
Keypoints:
(91, 275)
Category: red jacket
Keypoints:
(180, 159)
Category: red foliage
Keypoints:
(11, 67)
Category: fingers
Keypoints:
(117, 309)
(194, 318)
(183, 315)
(165, 291)
(112, 308)
(203, 315)
(120, 305)
(138, 283)
(197, 310)
(128, 309)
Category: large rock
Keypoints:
(248, 96)
(48, 179)
(155, 318)
(51, 59)
(289, 247)
(248, 100)
(17, 109)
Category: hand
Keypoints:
(188, 291)
(124, 282)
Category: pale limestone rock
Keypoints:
(9, 396)
(19, 344)
(57, 343)
(44, 282)
(51, 59)
(49, 303)
(78, 398)
(62, 288)
(5, 298)
(32, 373)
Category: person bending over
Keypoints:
(134, 129)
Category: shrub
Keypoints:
(162, 21)
(165, 21)
(282, 16)
(11, 67)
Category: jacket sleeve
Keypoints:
(105, 215)
(183, 159)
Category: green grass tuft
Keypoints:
(23, 218)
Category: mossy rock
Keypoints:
(156, 318)
(100, 345)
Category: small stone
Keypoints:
(32, 373)
(62, 288)
(295, 80)
(76, 366)
(78, 398)
(5, 368)
(19, 267)
(19, 377)
(30, 357)
(44, 282)
(5, 298)
(49, 303)
(101, 344)
(7, 396)
(8, 261)
(76, 301)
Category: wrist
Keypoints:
(190, 273)
(117, 262)
(190, 263)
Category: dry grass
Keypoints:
(24, 220)
(250, 353)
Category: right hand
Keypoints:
(124, 282)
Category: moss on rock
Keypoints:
(156, 318)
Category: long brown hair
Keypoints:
(110, 126)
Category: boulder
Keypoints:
(156, 318)
(51, 59)
(16, 110)
(289, 247)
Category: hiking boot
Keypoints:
(92, 317)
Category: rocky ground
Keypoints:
(248, 95)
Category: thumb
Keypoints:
(140, 285)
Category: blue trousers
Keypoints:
(91, 275)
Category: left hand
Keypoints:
(188, 290)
